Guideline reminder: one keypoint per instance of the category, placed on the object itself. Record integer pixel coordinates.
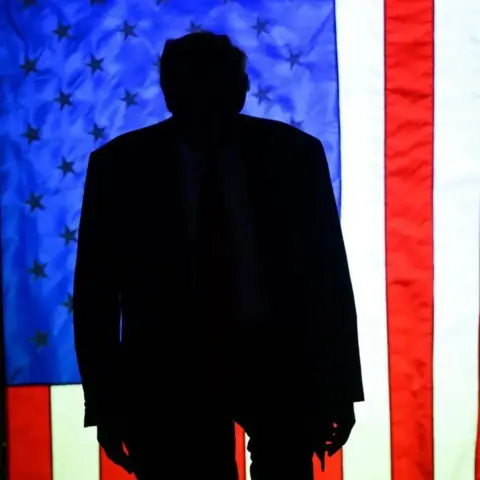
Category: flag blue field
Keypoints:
(74, 77)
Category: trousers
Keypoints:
(205, 448)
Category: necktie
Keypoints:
(214, 277)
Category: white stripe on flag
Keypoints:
(74, 448)
(456, 234)
(360, 39)
(248, 459)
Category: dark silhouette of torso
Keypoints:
(146, 225)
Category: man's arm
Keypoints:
(96, 311)
(336, 321)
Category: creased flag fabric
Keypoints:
(392, 88)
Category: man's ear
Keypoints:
(168, 44)
(170, 103)
(243, 83)
(247, 82)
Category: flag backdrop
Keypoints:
(392, 88)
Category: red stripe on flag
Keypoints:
(110, 471)
(333, 468)
(240, 452)
(409, 233)
(29, 434)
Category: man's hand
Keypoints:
(110, 439)
(341, 420)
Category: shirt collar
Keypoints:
(187, 150)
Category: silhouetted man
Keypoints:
(212, 285)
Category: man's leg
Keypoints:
(273, 410)
(184, 449)
(279, 453)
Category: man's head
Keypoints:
(203, 76)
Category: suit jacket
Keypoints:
(133, 306)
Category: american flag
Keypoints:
(391, 87)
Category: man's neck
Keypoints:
(207, 135)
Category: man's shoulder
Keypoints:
(129, 143)
(283, 134)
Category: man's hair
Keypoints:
(201, 63)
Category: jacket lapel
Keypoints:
(175, 198)
(266, 197)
